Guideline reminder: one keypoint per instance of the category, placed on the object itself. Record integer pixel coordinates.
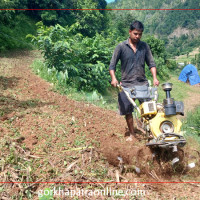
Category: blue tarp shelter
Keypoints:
(189, 72)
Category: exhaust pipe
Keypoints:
(169, 104)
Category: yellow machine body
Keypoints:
(148, 108)
(160, 117)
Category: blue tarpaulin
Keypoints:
(189, 72)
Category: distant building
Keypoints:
(181, 64)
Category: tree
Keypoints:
(49, 17)
(157, 46)
(6, 15)
(91, 21)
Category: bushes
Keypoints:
(158, 50)
(196, 61)
(12, 35)
(162, 69)
(192, 125)
(157, 46)
(83, 60)
(58, 81)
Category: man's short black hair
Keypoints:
(137, 25)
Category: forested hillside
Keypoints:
(78, 44)
(180, 29)
(16, 24)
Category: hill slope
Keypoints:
(179, 28)
(45, 136)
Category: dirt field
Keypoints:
(46, 137)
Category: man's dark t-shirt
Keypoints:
(132, 63)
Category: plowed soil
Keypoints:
(47, 137)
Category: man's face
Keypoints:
(135, 35)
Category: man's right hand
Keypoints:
(114, 82)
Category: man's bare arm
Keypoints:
(155, 80)
(114, 81)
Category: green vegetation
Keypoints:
(59, 84)
(107, 100)
(196, 61)
(77, 45)
(53, 17)
(15, 25)
(179, 89)
(163, 23)
(83, 61)
(13, 34)
(191, 125)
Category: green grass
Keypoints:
(108, 101)
(178, 92)
(13, 35)
(187, 58)
(184, 59)
(191, 125)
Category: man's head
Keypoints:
(135, 32)
(137, 25)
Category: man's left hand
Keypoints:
(156, 82)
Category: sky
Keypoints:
(108, 1)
